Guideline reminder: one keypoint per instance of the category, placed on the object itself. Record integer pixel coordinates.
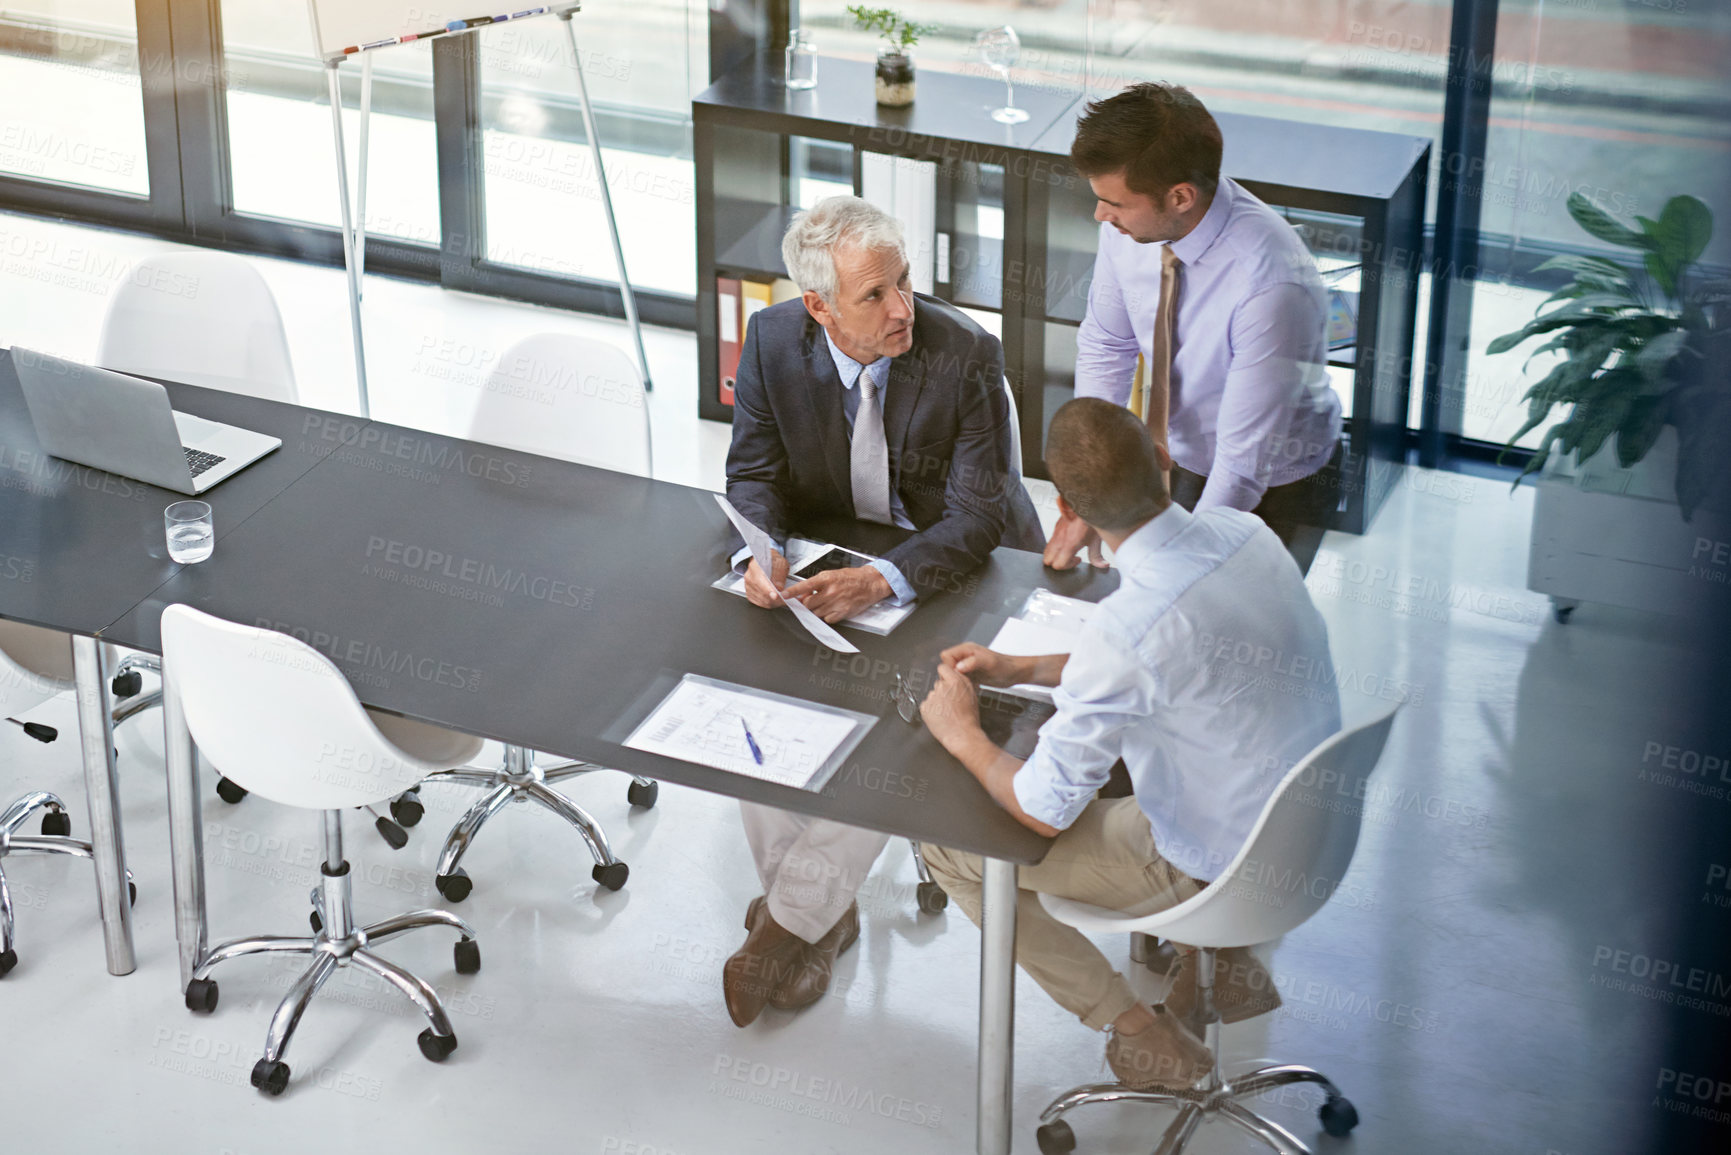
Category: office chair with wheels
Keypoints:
(35, 665)
(1308, 830)
(587, 404)
(281, 716)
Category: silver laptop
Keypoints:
(125, 425)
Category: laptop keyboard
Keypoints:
(199, 461)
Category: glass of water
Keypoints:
(801, 60)
(191, 533)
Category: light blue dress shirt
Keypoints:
(849, 371)
(1207, 671)
(1252, 406)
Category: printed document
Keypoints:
(744, 731)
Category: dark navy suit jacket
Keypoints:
(946, 423)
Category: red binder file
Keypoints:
(729, 333)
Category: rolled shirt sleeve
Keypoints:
(1103, 691)
(1275, 341)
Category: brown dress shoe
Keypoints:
(1165, 1056)
(770, 954)
(1243, 988)
(810, 981)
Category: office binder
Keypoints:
(728, 333)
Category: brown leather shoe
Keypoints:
(810, 981)
(1165, 1056)
(771, 953)
(1243, 988)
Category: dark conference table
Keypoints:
(526, 599)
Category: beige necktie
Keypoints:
(1157, 384)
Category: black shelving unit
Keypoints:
(1358, 198)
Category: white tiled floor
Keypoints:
(1450, 987)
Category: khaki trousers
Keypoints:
(1106, 858)
(810, 868)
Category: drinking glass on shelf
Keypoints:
(801, 60)
(191, 533)
(1000, 48)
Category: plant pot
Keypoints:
(895, 79)
(1615, 536)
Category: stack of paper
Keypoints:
(1049, 624)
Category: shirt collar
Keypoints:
(1191, 247)
(1153, 535)
(849, 370)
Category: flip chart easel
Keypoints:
(390, 32)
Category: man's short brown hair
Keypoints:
(1104, 463)
(1157, 135)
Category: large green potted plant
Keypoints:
(1639, 343)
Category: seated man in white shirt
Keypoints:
(1187, 673)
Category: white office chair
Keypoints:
(283, 719)
(580, 400)
(206, 318)
(35, 665)
(1307, 831)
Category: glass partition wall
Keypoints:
(208, 120)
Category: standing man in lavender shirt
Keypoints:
(1222, 301)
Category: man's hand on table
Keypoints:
(987, 667)
(838, 594)
(759, 590)
(1069, 537)
(951, 710)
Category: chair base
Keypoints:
(1214, 1096)
(523, 779)
(336, 944)
(1197, 1106)
(54, 839)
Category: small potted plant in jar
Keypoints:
(895, 73)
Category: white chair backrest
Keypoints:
(278, 717)
(1015, 430)
(205, 318)
(574, 398)
(35, 665)
(1295, 857)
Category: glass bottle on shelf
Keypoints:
(801, 60)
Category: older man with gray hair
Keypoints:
(862, 399)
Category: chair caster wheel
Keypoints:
(229, 792)
(932, 898)
(317, 923)
(437, 1048)
(407, 810)
(1055, 1138)
(56, 823)
(201, 995)
(455, 886)
(127, 684)
(8, 960)
(271, 1078)
(467, 954)
(392, 833)
(643, 794)
(1338, 1115)
(612, 876)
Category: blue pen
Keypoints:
(756, 754)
